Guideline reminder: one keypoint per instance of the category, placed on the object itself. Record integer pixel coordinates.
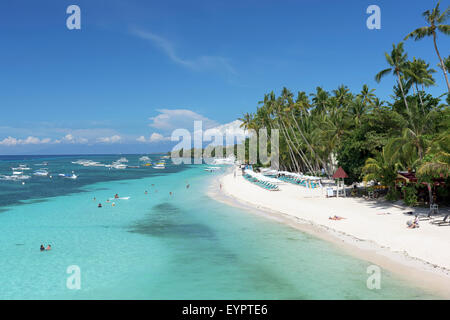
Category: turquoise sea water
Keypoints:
(158, 246)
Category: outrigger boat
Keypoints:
(41, 173)
(69, 176)
(21, 167)
(160, 165)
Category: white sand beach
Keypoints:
(373, 230)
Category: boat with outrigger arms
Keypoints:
(147, 161)
(160, 165)
(72, 176)
(41, 173)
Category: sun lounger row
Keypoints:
(302, 182)
(263, 184)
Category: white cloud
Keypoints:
(141, 139)
(112, 139)
(11, 141)
(232, 129)
(201, 63)
(171, 119)
(157, 137)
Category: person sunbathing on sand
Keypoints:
(336, 218)
(413, 224)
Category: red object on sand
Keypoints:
(340, 174)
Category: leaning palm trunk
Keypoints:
(442, 62)
(291, 153)
(299, 151)
(420, 98)
(290, 142)
(403, 92)
(314, 154)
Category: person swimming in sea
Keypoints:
(116, 196)
(42, 247)
(99, 205)
(187, 186)
(146, 192)
(170, 193)
(49, 247)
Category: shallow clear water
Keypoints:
(158, 246)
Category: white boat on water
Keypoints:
(17, 173)
(21, 167)
(118, 165)
(72, 176)
(212, 169)
(14, 177)
(41, 173)
(159, 165)
(88, 163)
(144, 158)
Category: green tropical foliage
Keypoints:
(370, 138)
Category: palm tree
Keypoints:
(342, 95)
(398, 63)
(409, 149)
(367, 95)
(419, 73)
(320, 100)
(437, 158)
(436, 21)
(380, 168)
(357, 109)
(437, 162)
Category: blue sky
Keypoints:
(139, 69)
